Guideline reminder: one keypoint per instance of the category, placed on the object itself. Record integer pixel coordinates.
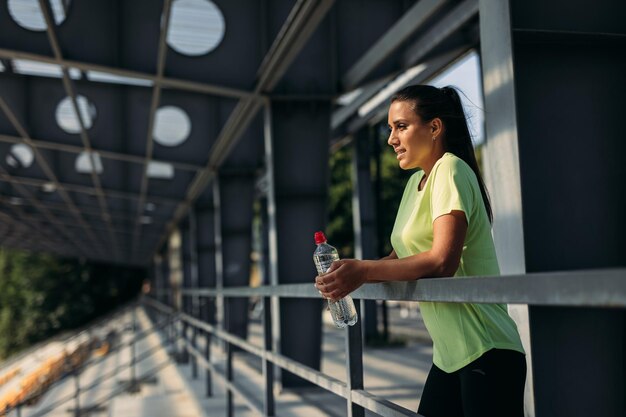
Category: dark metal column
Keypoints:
(165, 276)
(364, 218)
(185, 237)
(300, 146)
(205, 221)
(236, 195)
(569, 80)
(205, 247)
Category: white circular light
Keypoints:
(20, 155)
(28, 15)
(67, 118)
(196, 27)
(171, 126)
(83, 163)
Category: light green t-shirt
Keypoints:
(461, 332)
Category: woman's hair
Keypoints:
(430, 102)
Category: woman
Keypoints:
(443, 229)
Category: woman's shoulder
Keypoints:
(451, 162)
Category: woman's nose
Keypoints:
(392, 139)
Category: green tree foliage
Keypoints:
(340, 231)
(41, 295)
(388, 182)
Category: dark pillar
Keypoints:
(568, 66)
(236, 195)
(205, 234)
(165, 276)
(300, 146)
(186, 264)
(185, 256)
(364, 218)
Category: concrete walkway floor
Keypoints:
(394, 373)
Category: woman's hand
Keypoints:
(343, 277)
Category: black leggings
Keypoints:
(492, 385)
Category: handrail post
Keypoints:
(207, 355)
(183, 357)
(76, 394)
(268, 367)
(170, 334)
(229, 377)
(194, 360)
(133, 358)
(354, 365)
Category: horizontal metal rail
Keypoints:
(253, 405)
(588, 288)
(363, 398)
(605, 288)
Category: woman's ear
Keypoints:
(436, 127)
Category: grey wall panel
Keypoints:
(138, 107)
(138, 28)
(13, 90)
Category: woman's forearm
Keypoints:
(421, 265)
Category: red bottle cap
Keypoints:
(319, 238)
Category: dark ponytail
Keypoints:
(445, 103)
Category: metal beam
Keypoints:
(302, 21)
(450, 23)
(444, 28)
(6, 177)
(579, 288)
(116, 156)
(433, 67)
(156, 97)
(344, 113)
(410, 22)
(93, 210)
(172, 83)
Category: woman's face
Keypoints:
(411, 139)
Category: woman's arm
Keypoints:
(442, 260)
(392, 255)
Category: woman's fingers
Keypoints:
(334, 266)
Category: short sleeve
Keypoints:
(452, 189)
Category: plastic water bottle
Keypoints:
(342, 311)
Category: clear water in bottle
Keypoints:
(342, 311)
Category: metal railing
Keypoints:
(593, 288)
